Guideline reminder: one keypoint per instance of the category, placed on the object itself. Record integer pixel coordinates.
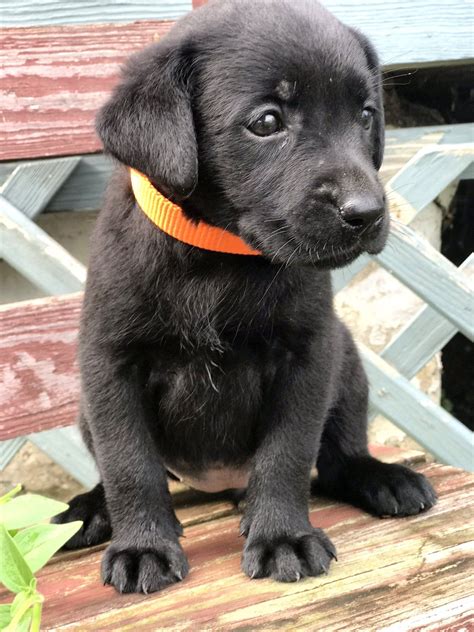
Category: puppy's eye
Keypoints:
(367, 118)
(268, 124)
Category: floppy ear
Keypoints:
(148, 123)
(378, 128)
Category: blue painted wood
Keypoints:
(412, 32)
(422, 337)
(426, 175)
(65, 447)
(37, 256)
(8, 449)
(414, 262)
(415, 413)
(46, 12)
(32, 185)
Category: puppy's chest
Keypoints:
(206, 409)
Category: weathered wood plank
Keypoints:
(58, 12)
(422, 337)
(433, 30)
(47, 110)
(415, 413)
(65, 447)
(425, 176)
(55, 78)
(423, 579)
(413, 261)
(409, 33)
(40, 383)
(32, 185)
(38, 257)
(8, 449)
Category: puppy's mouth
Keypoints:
(287, 245)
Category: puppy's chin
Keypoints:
(290, 248)
(335, 256)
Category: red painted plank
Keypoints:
(55, 78)
(39, 378)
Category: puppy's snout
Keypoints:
(362, 212)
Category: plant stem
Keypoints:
(36, 618)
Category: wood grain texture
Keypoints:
(36, 255)
(55, 78)
(425, 176)
(32, 184)
(416, 413)
(412, 33)
(48, 12)
(423, 336)
(404, 32)
(66, 447)
(39, 378)
(407, 574)
(419, 266)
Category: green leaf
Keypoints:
(29, 509)
(5, 616)
(15, 574)
(9, 495)
(39, 543)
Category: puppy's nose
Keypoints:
(361, 212)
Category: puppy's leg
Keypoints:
(347, 472)
(281, 542)
(145, 554)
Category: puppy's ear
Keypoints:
(378, 128)
(148, 122)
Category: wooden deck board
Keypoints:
(406, 574)
(37, 363)
(54, 80)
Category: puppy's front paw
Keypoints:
(382, 489)
(144, 569)
(288, 559)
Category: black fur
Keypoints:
(193, 360)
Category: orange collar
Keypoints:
(170, 218)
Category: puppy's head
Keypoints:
(265, 119)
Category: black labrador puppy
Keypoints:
(230, 370)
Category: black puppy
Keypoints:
(228, 370)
